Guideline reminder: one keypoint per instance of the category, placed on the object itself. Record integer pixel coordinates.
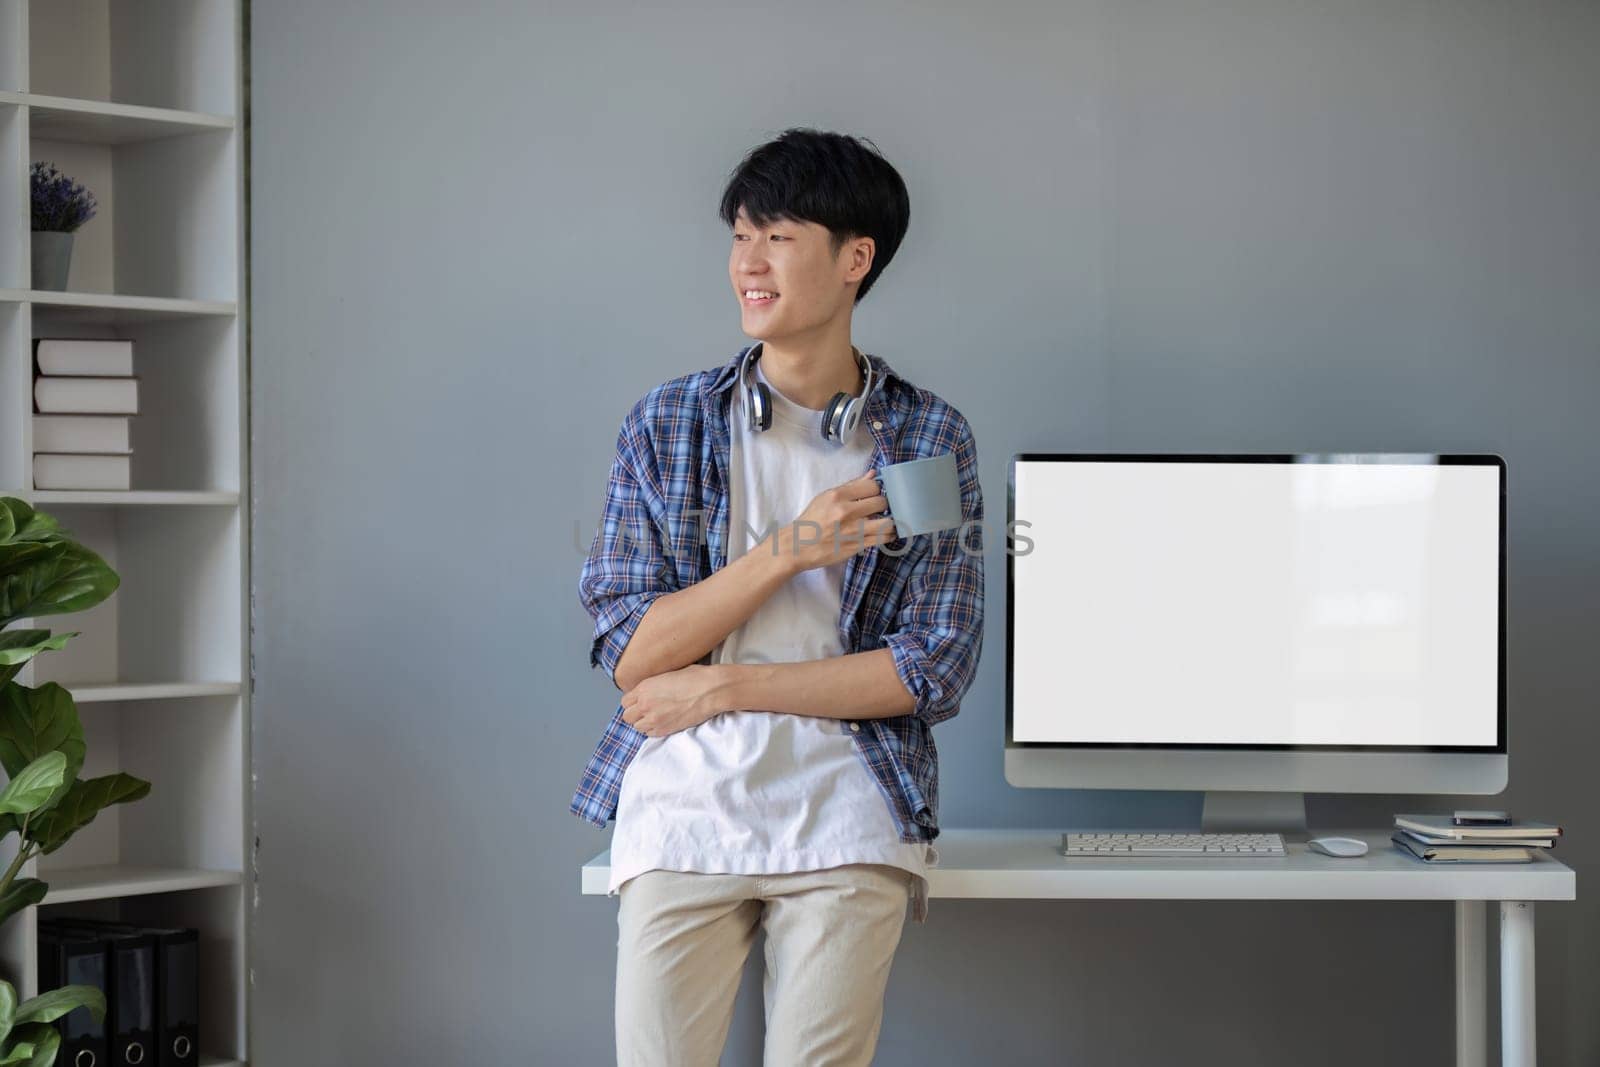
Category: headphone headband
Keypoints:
(839, 417)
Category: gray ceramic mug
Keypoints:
(924, 494)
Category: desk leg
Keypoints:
(1517, 1017)
(1472, 998)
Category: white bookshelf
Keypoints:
(142, 103)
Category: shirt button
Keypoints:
(877, 424)
(855, 728)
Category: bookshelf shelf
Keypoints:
(60, 118)
(71, 885)
(118, 309)
(47, 498)
(90, 693)
(143, 104)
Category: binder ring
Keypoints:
(181, 1046)
(134, 1053)
(84, 1058)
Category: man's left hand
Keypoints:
(666, 703)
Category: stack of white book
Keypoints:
(83, 393)
(1440, 839)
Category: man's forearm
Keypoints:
(679, 628)
(860, 685)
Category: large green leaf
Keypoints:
(22, 566)
(26, 791)
(17, 647)
(34, 1041)
(82, 802)
(34, 721)
(19, 522)
(65, 577)
(20, 894)
(15, 555)
(46, 1041)
(48, 1007)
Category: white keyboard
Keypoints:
(1178, 844)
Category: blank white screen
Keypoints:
(1256, 603)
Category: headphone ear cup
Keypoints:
(761, 407)
(833, 417)
(849, 415)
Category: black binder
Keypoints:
(177, 996)
(75, 958)
(135, 1007)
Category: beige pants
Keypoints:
(683, 939)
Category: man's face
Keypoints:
(794, 260)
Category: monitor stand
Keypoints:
(1236, 812)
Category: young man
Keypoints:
(781, 655)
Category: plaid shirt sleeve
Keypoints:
(627, 567)
(939, 629)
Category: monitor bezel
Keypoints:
(1475, 459)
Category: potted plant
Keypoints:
(44, 572)
(60, 206)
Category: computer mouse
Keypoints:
(1343, 847)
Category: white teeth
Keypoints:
(758, 294)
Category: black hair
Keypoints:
(831, 179)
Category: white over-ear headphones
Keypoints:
(839, 417)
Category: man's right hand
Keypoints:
(834, 526)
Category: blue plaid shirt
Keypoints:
(665, 527)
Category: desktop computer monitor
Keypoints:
(1256, 627)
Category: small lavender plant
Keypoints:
(60, 205)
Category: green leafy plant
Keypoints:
(44, 572)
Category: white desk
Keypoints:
(1024, 864)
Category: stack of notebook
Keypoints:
(1437, 839)
(84, 391)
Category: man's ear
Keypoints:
(862, 251)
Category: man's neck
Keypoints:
(810, 373)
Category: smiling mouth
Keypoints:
(758, 301)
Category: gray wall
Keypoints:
(481, 231)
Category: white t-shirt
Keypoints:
(762, 792)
